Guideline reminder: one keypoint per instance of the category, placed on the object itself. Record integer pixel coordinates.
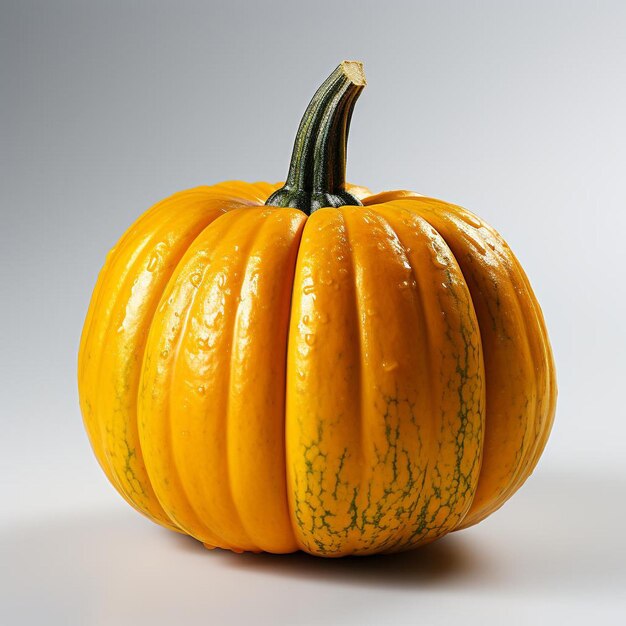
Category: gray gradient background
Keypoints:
(515, 110)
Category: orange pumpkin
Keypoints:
(313, 367)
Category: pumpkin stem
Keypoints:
(317, 173)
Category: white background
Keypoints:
(515, 110)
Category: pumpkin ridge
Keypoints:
(352, 546)
(381, 211)
(547, 390)
(458, 224)
(403, 223)
(227, 461)
(320, 472)
(137, 258)
(530, 435)
(268, 216)
(207, 533)
(420, 504)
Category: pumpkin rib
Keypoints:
(370, 531)
(351, 545)
(460, 226)
(257, 382)
(114, 256)
(224, 418)
(131, 466)
(224, 527)
(225, 422)
(94, 426)
(547, 390)
(323, 428)
(176, 260)
(215, 539)
(461, 221)
(388, 220)
(207, 533)
(411, 228)
(534, 415)
(174, 478)
(162, 462)
(516, 310)
(396, 218)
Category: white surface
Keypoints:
(555, 554)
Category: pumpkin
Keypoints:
(312, 367)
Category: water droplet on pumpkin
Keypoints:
(371, 312)
(310, 339)
(306, 320)
(196, 279)
(308, 289)
(323, 317)
(389, 366)
(221, 280)
(164, 354)
(153, 262)
(471, 220)
(479, 246)
(201, 390)
(301, 374)
(439, 262)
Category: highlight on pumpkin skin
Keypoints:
(307, 366)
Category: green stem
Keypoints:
(317, 173)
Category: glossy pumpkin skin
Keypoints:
(363, 379)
